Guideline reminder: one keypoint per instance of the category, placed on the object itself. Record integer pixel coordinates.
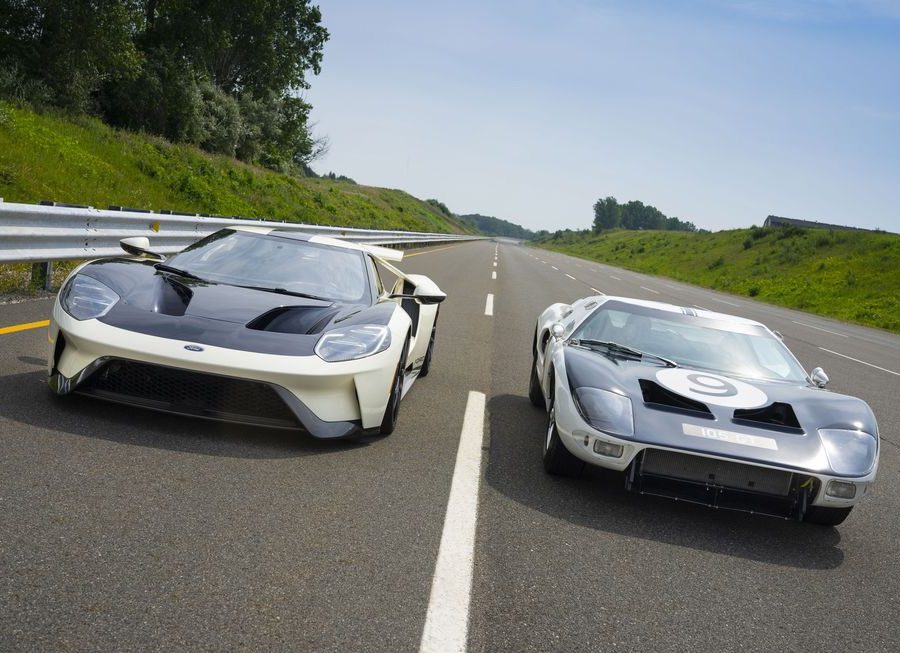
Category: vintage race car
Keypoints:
(257, 326)
(700, 407)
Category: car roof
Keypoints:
(673, 308)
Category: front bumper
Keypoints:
(701, 478)
(326, 399)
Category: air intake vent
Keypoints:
(658, 397)
(776, 415)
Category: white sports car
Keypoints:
(700, 407)
(257, 326)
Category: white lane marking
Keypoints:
(447, 621)
(570, 276)
(543, 261)
(489, 304)
(495, 263)
(597, 291)
(700, 307)
(555, 268)
(724, 301)
(650, 290)
(811, 326)
(494, 274)
(616, 278)
(669, 285)
(856, 360)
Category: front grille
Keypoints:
(189, 393)
(721, 483)
(716, 472)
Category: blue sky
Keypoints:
(715, 111)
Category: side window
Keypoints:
(379, 284)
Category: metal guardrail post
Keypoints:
(42, 275)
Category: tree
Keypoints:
(607, 214)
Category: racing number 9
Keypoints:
(711, 386)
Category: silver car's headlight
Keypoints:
(86, 298)
(605, 411)
(849, 452)
(353, 342)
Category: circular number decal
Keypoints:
(712, 388)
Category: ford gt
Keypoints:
(257, 326)
(700, 407)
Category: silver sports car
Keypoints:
(700, 407)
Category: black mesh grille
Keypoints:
(718, 472)
(189, 393)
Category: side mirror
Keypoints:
(140, 246)
(431, 295)
(557, 330)
(819, 377)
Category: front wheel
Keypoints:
(558, 460)
(826, 516)
(392, 410)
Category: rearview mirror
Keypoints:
(819, 377)
(429, 295)
(558, 330)
(140, 246)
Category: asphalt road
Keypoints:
(122, 529)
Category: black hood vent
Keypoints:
(301, 320)
(776, 415)
(656, 396)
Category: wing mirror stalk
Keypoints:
(427, 299)
(140, 246)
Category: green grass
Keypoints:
(849, 275)
(83, 161)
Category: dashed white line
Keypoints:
(570, 276)
(669, 285)
(489, 304)
(656, 292)
(495, 263)
(856, 360)
(616, 278)
(447, 619)
(597, 291)
(555, 268)
(700, 307)
(724, 301)
(812, 326)
(493, 275)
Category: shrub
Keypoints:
(719, 262)
(748, 243)
(753, 291)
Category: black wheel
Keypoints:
(826, 516)
(392, 410)
(426, 364)
(557, 459)
(535, 394)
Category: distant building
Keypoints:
(778, 221)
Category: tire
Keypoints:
(557, 459)
(826, 516)
(535, 394)
(426, 364)
(392, 410)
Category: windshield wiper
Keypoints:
(181, 273)
(615, 347)
(285, 291)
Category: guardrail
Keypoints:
(53, 232)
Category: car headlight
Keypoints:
(353, 342)
(849, 452)
(86, 298)
(605, 411)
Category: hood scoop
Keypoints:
(299, 320)
(656, 396)
(777, 416)
(170, 297)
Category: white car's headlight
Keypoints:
(605, 411)
(353, 342)
(86, 298)
(849, 452)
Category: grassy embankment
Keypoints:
(83, 161)
(849, 275)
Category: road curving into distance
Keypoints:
(123, 529)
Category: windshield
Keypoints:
(733, 348)
(246, 259)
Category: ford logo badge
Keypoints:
(193, 347)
